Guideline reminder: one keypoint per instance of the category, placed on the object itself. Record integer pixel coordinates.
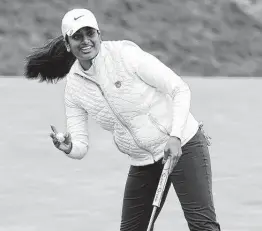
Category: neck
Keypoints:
(85, 64)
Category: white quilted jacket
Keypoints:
(132, 94)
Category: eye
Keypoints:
(76, 36)
(91, 33)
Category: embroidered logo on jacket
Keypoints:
(118, 84)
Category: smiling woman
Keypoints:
(80, 40)
(85, 45)
(82, 36)
(144, 104)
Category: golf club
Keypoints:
(159, 192)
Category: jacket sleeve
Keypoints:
(156, 74)
(77, 126)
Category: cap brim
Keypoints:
(80, 24)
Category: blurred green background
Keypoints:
(43, 190)
(195, 38)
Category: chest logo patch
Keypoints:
(118, 84)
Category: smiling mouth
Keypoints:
(86, 49)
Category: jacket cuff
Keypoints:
(176, 134)
(79, 150)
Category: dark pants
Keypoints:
(192, 180)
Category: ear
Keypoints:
(99, 34)
(67, 45)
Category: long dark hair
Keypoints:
(49, 63)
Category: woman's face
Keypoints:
(85, 44)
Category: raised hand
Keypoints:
(61, 141)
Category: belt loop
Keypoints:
(207, 137)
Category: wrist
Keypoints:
(69, 149)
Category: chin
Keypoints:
(88, 56)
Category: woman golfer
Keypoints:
(143, 103)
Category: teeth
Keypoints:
(86, 48)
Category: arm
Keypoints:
(156, 74)
(77, 126)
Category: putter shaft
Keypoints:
(152, 219)
(160, 191)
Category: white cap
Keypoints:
(76, 19)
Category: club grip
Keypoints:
(162, 183)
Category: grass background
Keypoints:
(205, 38)
(43, 190)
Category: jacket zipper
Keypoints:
(118, 117)
(135, 139)
(158, 125)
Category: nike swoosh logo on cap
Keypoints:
(75, 18)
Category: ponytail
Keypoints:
(49, 63)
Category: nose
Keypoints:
(86, 39)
